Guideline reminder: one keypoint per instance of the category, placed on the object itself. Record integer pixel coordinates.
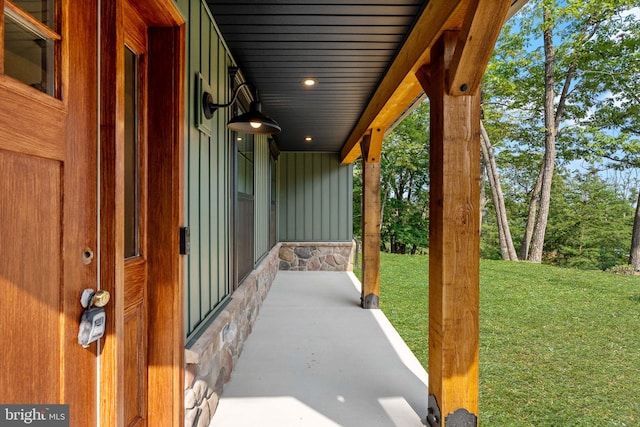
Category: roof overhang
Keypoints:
(366, 55)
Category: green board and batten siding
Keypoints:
(314, 198)
(262, 196)
(208, 172)
(314, 191)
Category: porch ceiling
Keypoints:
(349, 47)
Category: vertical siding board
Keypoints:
(326, 194)
(343, 199)
(262, 197)
(264, 205)
(349, 202)
(206, 48)
(307, 165)
(205, 215)
(205, 175)
(317, 195)
(335, 209)
(193, 176)
(214, 165)
(300, 192)
(284, 190)
(222, 144)
(291, 196)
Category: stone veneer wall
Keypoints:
(210, 360)
(321, 256)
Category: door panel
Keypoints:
(30, 278)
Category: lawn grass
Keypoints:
(558, 347)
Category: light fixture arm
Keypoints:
(209, 107)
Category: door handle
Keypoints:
(93, 320)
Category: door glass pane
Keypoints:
(131, 163)
(29, 56)
(42, 10)
(245, 163)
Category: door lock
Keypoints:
(92, 323)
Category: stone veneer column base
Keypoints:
(211, 358)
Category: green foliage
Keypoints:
(404, 170)
(558, 347)
(590, 224)
(597, 70)
(590, 217)
(357, 201)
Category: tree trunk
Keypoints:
(507, 250)
(483, 192)
(531, 218)
(634, 257)
(383, 201)
(549, 159)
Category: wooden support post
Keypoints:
(454, 244)
(371, 148)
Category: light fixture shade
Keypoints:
(243, 123)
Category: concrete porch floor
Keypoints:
(316, 359)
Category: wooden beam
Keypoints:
(371, 144)
(424, 77)
(399, 87)
(454, 245)
(482, 25)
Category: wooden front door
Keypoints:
(48, 140)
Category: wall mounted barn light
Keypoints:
(253, 121)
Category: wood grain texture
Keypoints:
(373, 149)
(112, 372)
(454, 236)
(371, 221)
(35, 122)
(48, 161)
(166, 207)
(34, 23)
(31, 279)
(136, 269)
(1, 32)
(79, 45)
(477, 37)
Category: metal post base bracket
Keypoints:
(433, 414)
(460, 418)
(371, 301)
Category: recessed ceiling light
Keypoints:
(309, 82)
(308, 138)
